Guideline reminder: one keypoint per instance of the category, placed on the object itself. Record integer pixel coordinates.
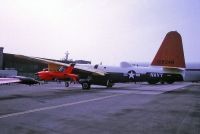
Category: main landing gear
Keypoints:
(86, 85)
(162, 82)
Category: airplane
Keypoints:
(18, 79)
(168, 66)
(64, 73)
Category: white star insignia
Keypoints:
(131, 74)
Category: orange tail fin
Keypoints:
(69, 69)
(170, 53)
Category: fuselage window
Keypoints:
(96, 66)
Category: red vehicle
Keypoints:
(64, 73)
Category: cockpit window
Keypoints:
(61, 69)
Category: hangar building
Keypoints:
(23, 65)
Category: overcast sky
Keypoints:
(107, 31)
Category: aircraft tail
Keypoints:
(69, 69)
(170, 53)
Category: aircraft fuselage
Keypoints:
(152, 75)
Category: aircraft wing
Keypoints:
(80, 68)
(9, 80)
(47, 61)
(90, 69)
(18, 79)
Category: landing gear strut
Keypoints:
(109, 84)
(66, 84)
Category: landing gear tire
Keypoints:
(66, 84)
(170, 82)
(152, 82)
(162, 82)
(86, 86)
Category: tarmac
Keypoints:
(124, 109)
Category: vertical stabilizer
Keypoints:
(69, 69)
(170, 53)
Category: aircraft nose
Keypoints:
(37, 75)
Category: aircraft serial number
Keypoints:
(165, 62)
